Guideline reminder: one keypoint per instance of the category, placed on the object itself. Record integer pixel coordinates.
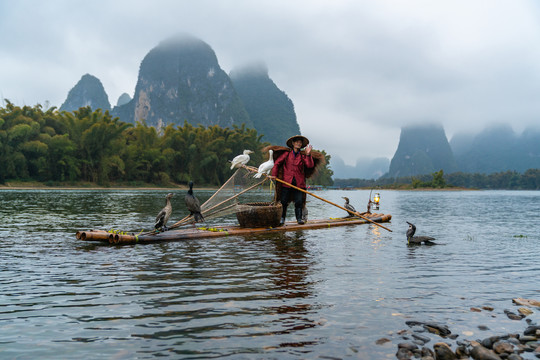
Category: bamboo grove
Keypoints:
(50, 146)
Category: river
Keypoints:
(327, 293)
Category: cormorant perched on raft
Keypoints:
(348, 206)
(164, 214)
(411, 239)
(193, 205)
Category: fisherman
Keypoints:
(294, 164)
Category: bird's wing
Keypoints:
(245, 159)
(420, 239)
(160, 215)
(160, 218)
(266, 166)
(193, 204)
(239, 159)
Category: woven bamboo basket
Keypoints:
(258, 214)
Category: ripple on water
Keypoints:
(330, 292)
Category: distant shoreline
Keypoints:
(34, 185)
(89, 186)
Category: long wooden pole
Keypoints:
(328, 201)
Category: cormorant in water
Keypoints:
(193, 205)
(164, 214)
(411, 239)
(240, 160)
(348, 206)
(266, 166)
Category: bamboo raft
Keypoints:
(119, 238)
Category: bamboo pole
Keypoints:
(320, 198)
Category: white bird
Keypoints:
(240, 160)
(266, 166)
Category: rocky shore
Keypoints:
(510, 346)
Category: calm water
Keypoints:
(327, 293)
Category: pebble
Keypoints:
(513, 316)
(525, 311)
(531, 330)
(423, 339)
(479, 352)
(443, 351)
(503, 347)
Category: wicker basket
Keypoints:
(259, 214)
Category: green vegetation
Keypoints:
(86, 146)
(437, 181)
(509, 180)
(323, 176)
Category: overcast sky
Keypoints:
(356, 71)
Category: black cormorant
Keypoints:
(193, 205)
(164, 214)
(348, 206)
(411, 239)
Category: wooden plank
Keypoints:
(220, 231)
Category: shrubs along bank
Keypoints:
(508, 180)
(51, 146)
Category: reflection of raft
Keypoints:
(201, 232)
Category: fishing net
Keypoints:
(241, 187)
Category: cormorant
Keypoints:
(193, 205)
(164, 214)
(240, 160)
(411, 239)
(266, 166)
(348, 206)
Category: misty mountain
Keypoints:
(497, 148)
(88, 91)
(363, 169)
(123, 99)
(269, 108)
(180, 80)
(422, 149)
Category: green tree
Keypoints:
(438, 180)
(324, 174)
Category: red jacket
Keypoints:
(293, 167)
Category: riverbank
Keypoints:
(35, 185)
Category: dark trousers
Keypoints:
(286, 193)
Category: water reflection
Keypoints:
(198, 291)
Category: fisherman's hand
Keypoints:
(308, 149)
